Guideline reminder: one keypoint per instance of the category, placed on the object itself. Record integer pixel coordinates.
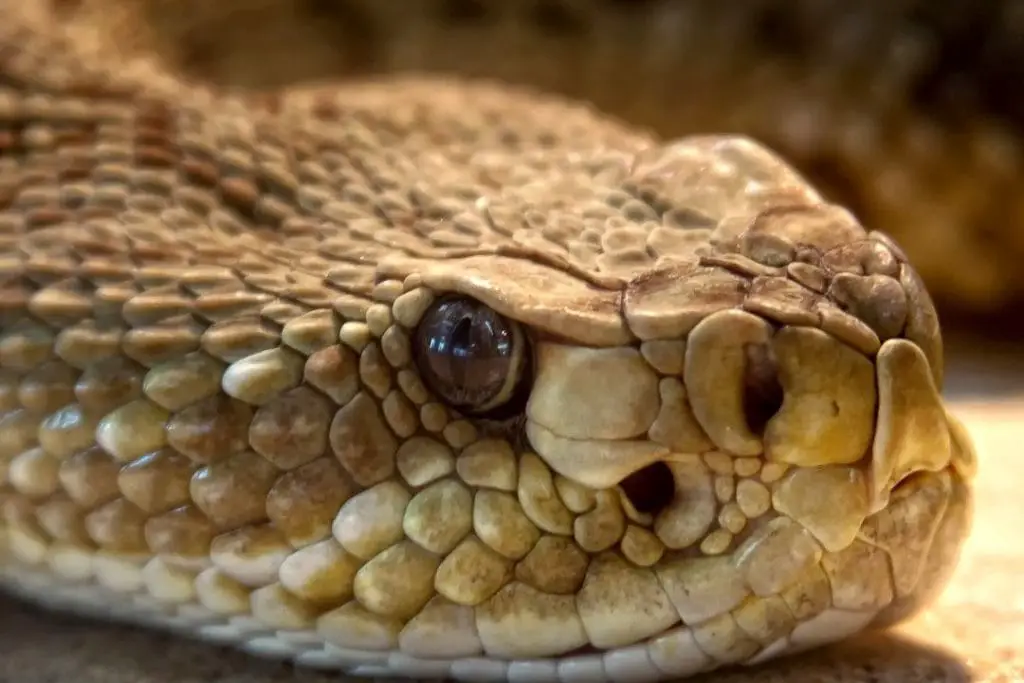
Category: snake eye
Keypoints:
(469, 355)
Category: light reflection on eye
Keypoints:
(469, 354)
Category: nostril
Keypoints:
(651, 489)
(762, 392)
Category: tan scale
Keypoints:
(727, 442)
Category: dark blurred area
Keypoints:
(909, 112)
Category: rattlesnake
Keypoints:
(419, 377)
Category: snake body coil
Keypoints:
(423, 378)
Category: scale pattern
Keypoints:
(212, 419)
(906, 111)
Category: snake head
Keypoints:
(736, 448)
(633, 416)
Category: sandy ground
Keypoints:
(975, 633)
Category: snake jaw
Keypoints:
(758, 390)
(844, 447)
(537, 554)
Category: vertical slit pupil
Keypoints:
(462, 335)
